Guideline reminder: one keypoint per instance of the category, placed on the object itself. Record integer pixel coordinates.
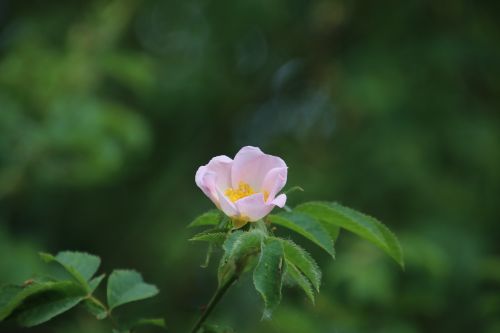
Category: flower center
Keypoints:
(243, 190)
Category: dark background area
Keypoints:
(107, 108)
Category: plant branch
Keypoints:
(213, 302)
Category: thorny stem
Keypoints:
(213, 302)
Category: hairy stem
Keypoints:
(213, 302)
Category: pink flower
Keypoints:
(246, 188)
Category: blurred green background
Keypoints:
(107, 108)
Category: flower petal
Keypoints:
(226, 205)
(253, 207)
(251, 166)
(221, 166)
(274, 181)
(280, 200)
(216, 174)
(205, 180)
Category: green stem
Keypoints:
(98, 302)
(108, 311)
(213, 302)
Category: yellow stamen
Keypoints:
(243, 190)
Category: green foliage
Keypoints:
(46, 308)
(212, 217)
(96, 308)
(125, 286)
(393, 109)
(240, 249)
(208, 256)
(293, 274)
(275, 260)
(298, 257)
(272, 260)
(82, 266)
(212, 236)
(8, 294)
(41, 299)
(306, 226)
(95, 282)
(362, 225)
(268, 275)
(215, 236)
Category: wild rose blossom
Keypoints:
(246, 188)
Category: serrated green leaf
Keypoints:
(11, 296)
(212, 217)
(298, 257)
(213, 236)
(306, 226)
(268, 275)
(125, 286)
(239, 248)
(303, 282)
(47, 310)
(231, 239)
(362, 225)
(39, 302)
(81, 266)
(333, 230)
(95, 282)
(8, 294)
(33, 294)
